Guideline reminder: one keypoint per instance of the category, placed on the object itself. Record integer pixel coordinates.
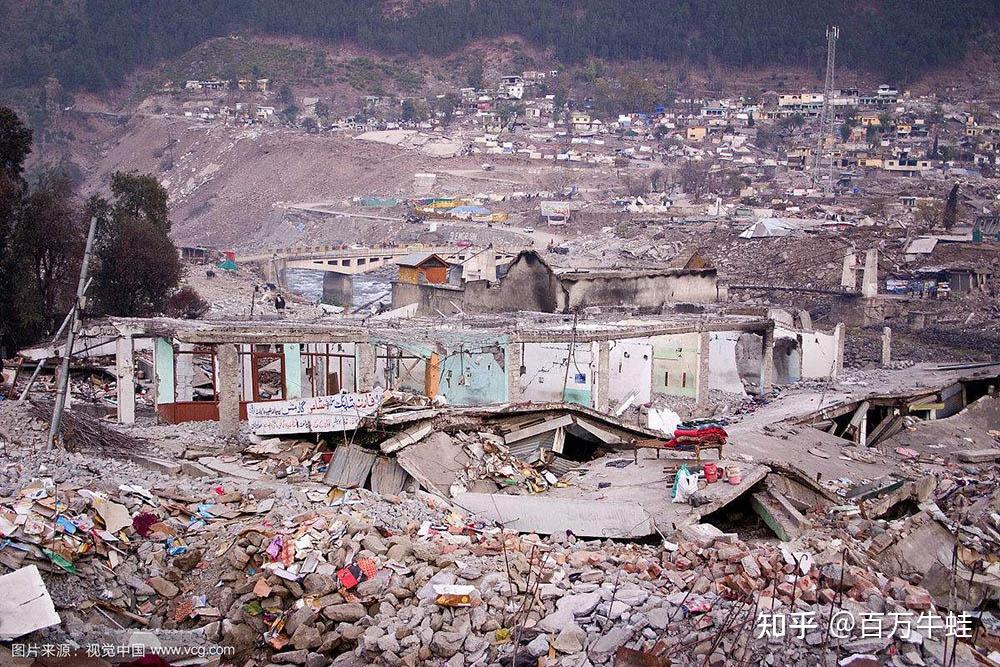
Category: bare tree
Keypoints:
(636, 185)
(928, 213)
(695, 176)
(658, 180)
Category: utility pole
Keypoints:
(74, 329)
(55, 339)
(826, 118)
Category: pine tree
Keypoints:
(950, 213)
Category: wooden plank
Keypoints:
(854, 426)
(406, 437)
(592, 428)
(537, 429)
(876, 433)
(559, 441)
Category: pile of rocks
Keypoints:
(298, 573)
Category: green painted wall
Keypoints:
(293, 370)
(675, 364)
(163, 366)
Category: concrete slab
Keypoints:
(648, 482)
(546, 515)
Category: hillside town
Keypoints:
(562, 366)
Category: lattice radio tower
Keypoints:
(826, 118)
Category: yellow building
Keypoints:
(696, 133)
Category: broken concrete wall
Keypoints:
(631, 368)
(819, 354)
(545, 366)
(675, 364)
(476, 376)
(401, 367)
(953, 398)
(432, 300)
(650, 290)
(481, 265)
(723, 370)
(528, 285)
(750, 358)
(469, 368)
(787, 355)
(328, 368)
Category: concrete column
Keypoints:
(848, 276)
(366, 366)
(274, 271)
(125, 372)
(246, 373)
(184, 363)
(838, 362)
(514, 371)
(163, 370)
(432, 375)
(869, 279)
(805, 319)
(702, 379)
(293, 370)
(320, 370)
(603, 388)
(767, 361)
(228, 359)
(338, 288)
(886, 346)
(68, 405)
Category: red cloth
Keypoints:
(701, 432)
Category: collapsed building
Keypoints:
(211, 371)
(356, 473)
(529, 282)
(487, 442)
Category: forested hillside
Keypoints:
(93, 44)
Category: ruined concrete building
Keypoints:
(531, 283)
(209, 371)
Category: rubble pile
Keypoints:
(491, 460)
(258, 555)
(358, 579)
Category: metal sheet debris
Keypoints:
(349, 466)
(388, 478)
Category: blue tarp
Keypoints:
(471, 210)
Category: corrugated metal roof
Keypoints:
(349, 467)
(560, 466)
(388, 477)
(528, 448)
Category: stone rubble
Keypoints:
(258, 565)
